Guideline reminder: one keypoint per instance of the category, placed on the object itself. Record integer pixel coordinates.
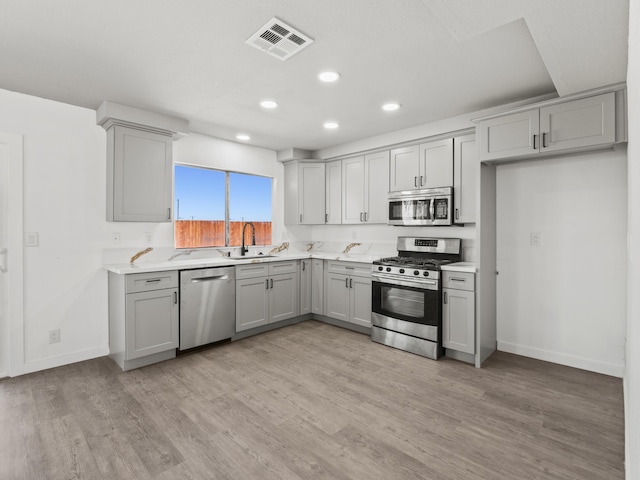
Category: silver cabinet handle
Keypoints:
(453, 279)
(421, 184)
(346, 283)
(266, 284)
(175, 297)
(300, 218)
(3, 267)
(153, 280)
(415, 181)
(361, 216)
(366, 216)
(326, 218)
(544, 140)
(272, 283)
(457, 213)
(303, 266)
(445, 298)
(534, 141)
(351, 283)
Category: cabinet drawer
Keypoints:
(252, 270)
(276, 268)
(458, 280)
(144, 282)
(349, 268)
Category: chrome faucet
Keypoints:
(244, 249)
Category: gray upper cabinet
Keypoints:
(139, 175)
(436, 164)
(139, 162)
(465, 174)
(565, 126)
(333, 192)
(304, 201)
(365, 188)
(429, 165)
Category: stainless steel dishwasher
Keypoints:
(207, 306)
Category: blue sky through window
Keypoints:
(201, 195)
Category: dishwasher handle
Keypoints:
(210, 278)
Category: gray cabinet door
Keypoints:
(333, 192)
(353, 190)
(317, 286)
(139, 176)
(465, 175)
(337, 296)
(151, 322)
(305, 286)
(509, 135)
(283, 297)
(404, 168)
(360, 301)
(436, 164)
(376, 202)
(252, 305)
(458, 320)
(580, 123)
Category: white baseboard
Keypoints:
(66, 359)
(605, 368)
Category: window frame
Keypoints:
(227, 202)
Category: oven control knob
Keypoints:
(388, 269)
(402, 270)
(426, 274)
(380, 269)
(416, 272)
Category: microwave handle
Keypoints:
(432, 209)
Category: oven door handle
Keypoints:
(421, 284)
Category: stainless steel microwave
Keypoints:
(432, 206)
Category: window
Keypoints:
(212, 206)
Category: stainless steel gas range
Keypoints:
(406, 300)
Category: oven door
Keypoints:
(410, 301)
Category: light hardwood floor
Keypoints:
(312, 401)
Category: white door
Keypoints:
(11, 321)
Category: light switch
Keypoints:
(536, 239)
(31, 239)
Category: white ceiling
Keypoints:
(438, 58)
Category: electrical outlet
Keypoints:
(31, 239)
(115, 238)
(54, 336)
(536, 239)
(148, 237)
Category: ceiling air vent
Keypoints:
(279, 39)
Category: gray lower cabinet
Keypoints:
(458, 311)
(266, 293)
(348, 292)
(143, 318)
(317, 286)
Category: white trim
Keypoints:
(66, 359)
(15, 256)
(563, 359)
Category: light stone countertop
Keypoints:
(468, 267)
(140, 266)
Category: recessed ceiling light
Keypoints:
(268, 104)
(329, 76)
(243, 136)
(331, 125)
(390, 107)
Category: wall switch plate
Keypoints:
(54, 336)
(31, 239)
(536, 239)
(115, 238)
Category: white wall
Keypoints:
(564, 301)
(65, 286)
(632, 375)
